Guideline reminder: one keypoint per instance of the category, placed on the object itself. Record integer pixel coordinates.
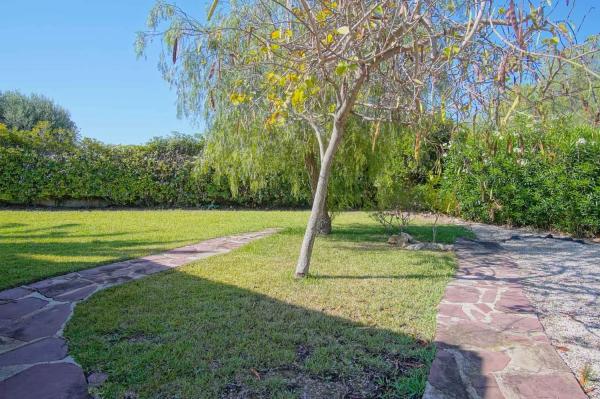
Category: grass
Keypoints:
(239, 326)
(38, 244)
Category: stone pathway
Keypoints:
(563, 284)
(490, 341)
(34, 360)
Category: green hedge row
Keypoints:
(166, 172)
(528, 176)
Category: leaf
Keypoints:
(341, 68)
(451, 51)
(255, 373)
(563, 28)
(212, 9)
(322, 15)
(343, 30)
(298, 98)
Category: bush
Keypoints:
(21, 112)
(547, 176)
(164, 172)
(528, 175)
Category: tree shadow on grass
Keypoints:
(31, 254)
(178, 335)
(53, 229)
(377, 234)
(11, 225)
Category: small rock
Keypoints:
(401, 240)
(393, 240)
(430, 246)
(96, 379)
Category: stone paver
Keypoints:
(562, 282)
(34, 361)
(490, 343)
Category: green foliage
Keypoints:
(409, 164)
(528, 175)
(37, 165)
(545, 175)
(23, 112)
(277, 159)
(258, 161)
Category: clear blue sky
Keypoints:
(80, 53)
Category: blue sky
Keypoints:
(80, 53)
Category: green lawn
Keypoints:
(239, 326)
(39, 244)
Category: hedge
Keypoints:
(166, 172)
(541, 176)
(546, 176)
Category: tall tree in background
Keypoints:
(321, 61)
(21, 112)
(562, 90)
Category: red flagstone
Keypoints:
(21, 307)
(490, 342)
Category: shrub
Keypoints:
(528, 175)
(163, 172)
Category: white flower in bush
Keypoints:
(581, 141)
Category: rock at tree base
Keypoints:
(429, 246)
(406, 241)
(401, 240)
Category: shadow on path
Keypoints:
(489, 339)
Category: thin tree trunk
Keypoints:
(312, 167)
(339, 124)
(324, 226)
(319, 200)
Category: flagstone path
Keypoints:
(34, 360)
(490, 343)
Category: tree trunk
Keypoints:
(320, 197)
(324, 226)
(312, 167)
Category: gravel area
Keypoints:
(561, 277)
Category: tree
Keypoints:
(249, 154)
(562, 90)
(321, 61)
(21, 112)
